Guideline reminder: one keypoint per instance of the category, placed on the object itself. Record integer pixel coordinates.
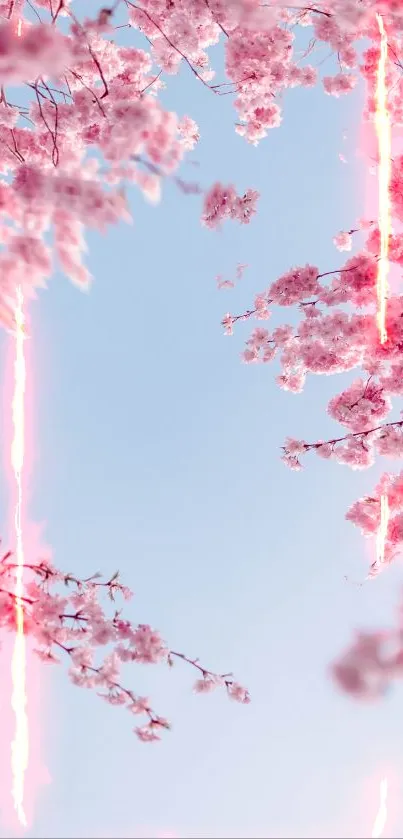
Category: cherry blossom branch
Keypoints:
(215, 88)
(211, 680)
(296, 8)
(224, 31)
(293, 449)
(76, 624)
(171, 44)
(187, 187)
(90, 50)
(265, 300)
(52, 132)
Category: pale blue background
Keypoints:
(158, 453)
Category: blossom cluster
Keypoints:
(372, 663)
(76, 619)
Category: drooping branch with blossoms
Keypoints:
(79, 620)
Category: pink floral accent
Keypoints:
(337, 85)
(343, 241)
(223, 203)
(67, 618)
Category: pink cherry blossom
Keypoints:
(221, 283)
(296, 285)
(339, 84)
(223, 203)
(204, 685)
(372, 663)
(343, 241)
(238, 693)
(361, 406)
(67, 618)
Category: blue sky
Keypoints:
(157, 452)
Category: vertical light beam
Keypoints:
(382, 530)
(382, 814)
(382, 121)
(383, 130)
(20, 744)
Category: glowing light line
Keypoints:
(20, 744)
(382, 123)
(382, 814)
(383, 130)
(382, 530)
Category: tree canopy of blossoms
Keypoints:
(80, 122)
